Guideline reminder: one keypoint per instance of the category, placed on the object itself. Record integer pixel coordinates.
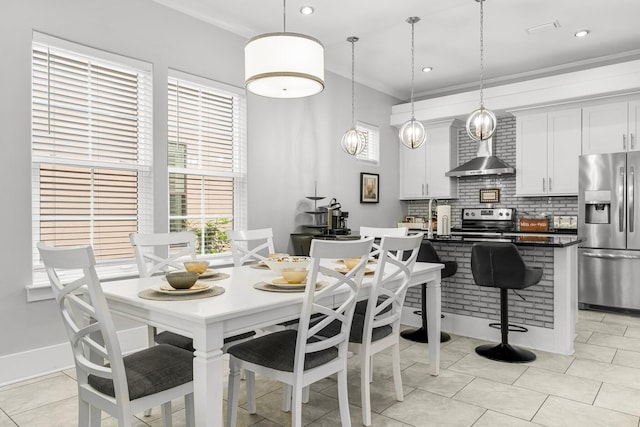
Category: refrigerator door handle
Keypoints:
(609, 256)
(630, 198)
(621, 195)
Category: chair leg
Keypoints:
(397, 375)
(151, 341)
(296, 406)
(165, 414)
(189, 412)
(305, 394)
(286, 398)
(250, 384)
(343, 397)
(84, 413)
(365, 387)
(233, 390)
(504, 352)
(95, 416)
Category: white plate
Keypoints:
(281, 283)
(210, 272)
(167, 289)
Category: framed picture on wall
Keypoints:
(369, 187)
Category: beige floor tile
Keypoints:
(627, 358)
(596, 316)
(421, 408)
(30, 381)
(619, 398)
(5, 421)
(446, 384)
(478, 366)
(551, 361)
(623, 319)
(624, 343)
(419, 353)
(633, 332)
(605, 372)
(36, 394)
(582, 336)
(594, 352)
(269, 406)
(566, 413)
(507, 399)
(567, 386)
(332, 419)
(603, 328)
(62, 413)
(382, 365)
(463, 344)
(495, 419)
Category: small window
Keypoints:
(371, 154)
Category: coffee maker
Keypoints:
(335, 219)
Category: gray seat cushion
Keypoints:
(186, 343)
(361, 306)
(357, 327)
(277, 351)
(150, 371)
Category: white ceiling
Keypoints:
(447, 37)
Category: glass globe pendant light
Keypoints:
(481, 123)
(412, 133)
(353, 141)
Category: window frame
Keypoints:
(367, 156)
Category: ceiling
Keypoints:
(446, 38)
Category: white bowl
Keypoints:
(277, 264)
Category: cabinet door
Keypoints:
(531, 155)
(412, 172)
(564, 143)
(442, 147)
(634, 125)
(604, 128)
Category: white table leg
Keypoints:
(433, 324)
(208, 370)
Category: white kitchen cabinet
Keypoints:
(611, 127)
(548, 146)
(422, 171)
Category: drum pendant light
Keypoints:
(481, 123)
(284, 65)
(353, 141)
(412, 133)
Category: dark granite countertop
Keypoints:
(519, 239)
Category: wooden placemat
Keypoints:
(159, 296)
(264, 286)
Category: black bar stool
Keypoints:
(499, 265)
(428, 254)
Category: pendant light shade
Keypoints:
(353, 141)
(412, 133)
(481, 123)
(284, 65)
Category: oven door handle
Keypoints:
(609, 256)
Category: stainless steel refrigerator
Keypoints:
(608, 221)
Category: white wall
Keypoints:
(291, 143)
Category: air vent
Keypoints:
(543, 27)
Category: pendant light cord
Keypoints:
(353, 84)
(413, 22)
(284, 16)
(481, 53)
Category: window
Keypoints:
(91, 149)
(207, 159)
(371, 153)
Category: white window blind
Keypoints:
(371, 153)
(207, 159)
(91, 149)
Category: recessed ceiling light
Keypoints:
(427, 69)
(582, 33)
(306, 10)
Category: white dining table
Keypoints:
(241, 308)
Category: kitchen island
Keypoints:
(548, 310)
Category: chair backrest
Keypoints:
(86, 316)
(390, 283)
(323, 255)
(497, 265)
(379, 233)
(149, 262)
(259, 240)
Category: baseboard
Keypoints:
(537, 338)
(41, 361)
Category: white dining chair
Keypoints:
(300, 357)
(377, 328)
(378, 233)
(107, 381)
(247, 245)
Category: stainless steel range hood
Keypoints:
(485, 163)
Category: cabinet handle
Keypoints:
(630, 197)
(624, 142)
(621, 195)
(544, 185)
(423, 189)
(549, 183)
(427, 186)
(632, 137)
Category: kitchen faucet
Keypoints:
(430, 218)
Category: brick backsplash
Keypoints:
(459, 293)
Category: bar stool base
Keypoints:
(505, 353)
(420, 335)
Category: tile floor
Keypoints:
(598, 386)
